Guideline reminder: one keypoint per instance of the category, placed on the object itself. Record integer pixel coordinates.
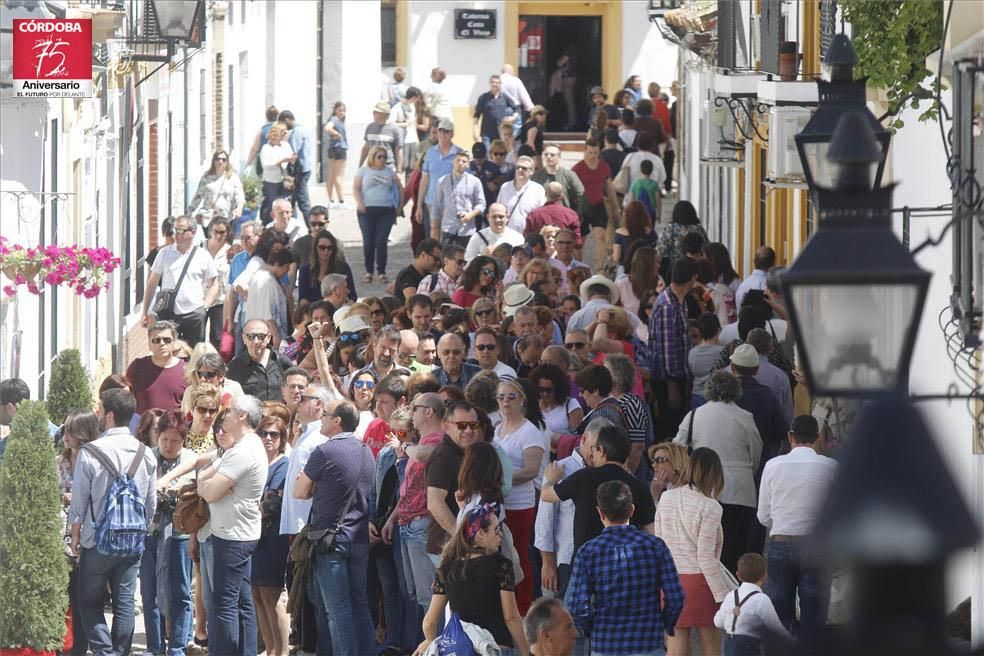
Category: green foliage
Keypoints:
(69, 387)
(893, 39)
(251, 190)
(33, 567)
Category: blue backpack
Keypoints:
(454, 641)
(122, 526)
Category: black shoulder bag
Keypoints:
(164, 303)
(323, 540)
(690, 432)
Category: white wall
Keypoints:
(644, 51)
(919, 167)
(468, 62)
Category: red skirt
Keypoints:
(699, 606)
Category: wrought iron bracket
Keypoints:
(747, 105)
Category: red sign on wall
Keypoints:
(53, 57)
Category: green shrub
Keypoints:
(69, 387)
(33, 567)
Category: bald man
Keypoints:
(554, 213)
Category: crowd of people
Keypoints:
(499, 434)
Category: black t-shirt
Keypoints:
(472, 588)
(409, 277)
(582, 487)
(442, 472)
(614, 158)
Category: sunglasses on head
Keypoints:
(349, 337)
(575, 345)
(363, 384)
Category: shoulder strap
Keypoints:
(184, 270)
(482, 237)
(103, 459)
(433, 282)
(137, 459)
(518, 198)
(690, 430)
(738, 605)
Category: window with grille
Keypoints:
(387, 26)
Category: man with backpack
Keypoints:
(113, 502)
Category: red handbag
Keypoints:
(227, 345)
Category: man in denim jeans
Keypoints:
(340, 469)
(792, 488)
(427, 415)
(89, 489)
(233, 487)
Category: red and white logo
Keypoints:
(53, 57)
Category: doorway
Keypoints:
(559, 61)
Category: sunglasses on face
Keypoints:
(485, 347)
(498, 154)
(270, 435)
(363, 384)
(206, 411)
(221, 159)
(325, 248)
(463, 425)
(575, 345)
(207, 375)
(318, 225)
(161, 340)
(349, 337)
(257, 337)
(404, 357)
(181, 231)
(509, 396)
(488, 272)
(400, 433)
(522, 168)
(660, 460)
(484, 313)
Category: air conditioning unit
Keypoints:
(718, 135)
(785, 123)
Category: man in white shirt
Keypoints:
(285, 221)
(793, 487)
(765, 259)
(521, 195)
(487, 354)
(514, 89)
(294, 513)
(485, 240)
(198, 288)
(553, 532)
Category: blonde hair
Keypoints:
(276, 129)
(206, 391)
(679, 460)
(618, 323)
(513, 383)
(372, 154)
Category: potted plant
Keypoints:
(84, 270)
(69, 387)
(33, 567)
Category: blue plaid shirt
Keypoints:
(669, 343)
(615, 588)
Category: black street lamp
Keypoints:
(894, 515)
(176, 19)
(855, 294)
(838, 96)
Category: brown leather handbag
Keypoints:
(191, 513)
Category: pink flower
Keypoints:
(10, 290)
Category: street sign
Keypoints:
(474, 23)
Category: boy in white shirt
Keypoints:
(747, 615)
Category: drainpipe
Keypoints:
(187, 190)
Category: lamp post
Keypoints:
(838, 96)
(855, 294)
(176, 19)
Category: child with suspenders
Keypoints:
(747, 615)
